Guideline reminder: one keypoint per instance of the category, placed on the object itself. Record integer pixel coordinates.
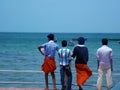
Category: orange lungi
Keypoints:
(83, 72)
(49, 65)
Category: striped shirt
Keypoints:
(64, 56)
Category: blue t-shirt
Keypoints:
(50, 48)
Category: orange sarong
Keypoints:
(49, 65)
(83, 72)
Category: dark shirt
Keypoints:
(81, 54)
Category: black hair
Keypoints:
(64, 43)
(104, 41)
(81, 40)
(51, 36)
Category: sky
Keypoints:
(69, 16)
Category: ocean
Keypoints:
(20, 59)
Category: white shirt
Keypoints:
(104, 55)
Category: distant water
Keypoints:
(18, 51)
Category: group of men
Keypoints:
(80, 53)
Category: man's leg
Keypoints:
(69, 75)
(54, 80)
(46, 81)
(65, 79)
(80, 88)
(100, 77)
(62, 76)
(109, 78)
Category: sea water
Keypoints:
(18, 51)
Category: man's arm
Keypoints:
(39, 48)
(98, 61)
(97, 64)
(73, 53)
(111, 63)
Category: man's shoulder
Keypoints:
(67, 48)
(100, 48)
(104, 48)
(76, 46)
(59, 49)
(53, 43)
(44, 44)
(110, 48)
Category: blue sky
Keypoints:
(82, 16)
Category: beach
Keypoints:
(20, 59)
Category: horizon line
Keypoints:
(64, 32)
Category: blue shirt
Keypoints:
(50, 48)
(64, 56)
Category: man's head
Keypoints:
(104, 41)
(64, 43)
(81, 40)
(51, 36)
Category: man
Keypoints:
(64, 61)
(104, 57)
(49, 64)
(82, 70)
